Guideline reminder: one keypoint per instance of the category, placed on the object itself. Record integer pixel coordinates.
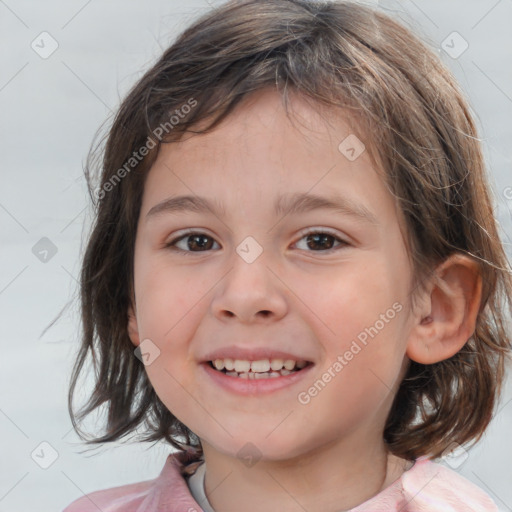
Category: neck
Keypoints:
(328, 479)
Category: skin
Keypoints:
(328, 454)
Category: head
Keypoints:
(253, 102)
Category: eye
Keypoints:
(191, 241)
(322, 239)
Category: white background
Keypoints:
(50, 110)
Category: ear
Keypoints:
(449, 307)
(133, 328)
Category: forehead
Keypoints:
(258, 154)
(301, 121)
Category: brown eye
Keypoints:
(192, 242)
(321, 241)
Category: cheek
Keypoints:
(171, 382)
(360, 370)
(169, 298)
(343, 301)
(169, 306)
(357, 313)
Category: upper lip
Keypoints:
(252, 354)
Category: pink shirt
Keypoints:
(426, 487)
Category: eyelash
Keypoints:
(171, 243)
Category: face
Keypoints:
(250, 279)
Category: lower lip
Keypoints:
(255, 386)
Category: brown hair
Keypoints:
(338, 54)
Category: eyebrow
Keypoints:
(284, 205)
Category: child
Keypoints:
(295, 276)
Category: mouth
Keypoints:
(259, 369)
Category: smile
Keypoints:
(261, 369)
(255, 377)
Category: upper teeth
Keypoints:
(262, 365)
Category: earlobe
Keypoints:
(450, 307)
(133, 329)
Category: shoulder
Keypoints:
(126, 498)
(432, 486)
(163, 493)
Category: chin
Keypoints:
(252, 447)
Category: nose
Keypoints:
(251, 292)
